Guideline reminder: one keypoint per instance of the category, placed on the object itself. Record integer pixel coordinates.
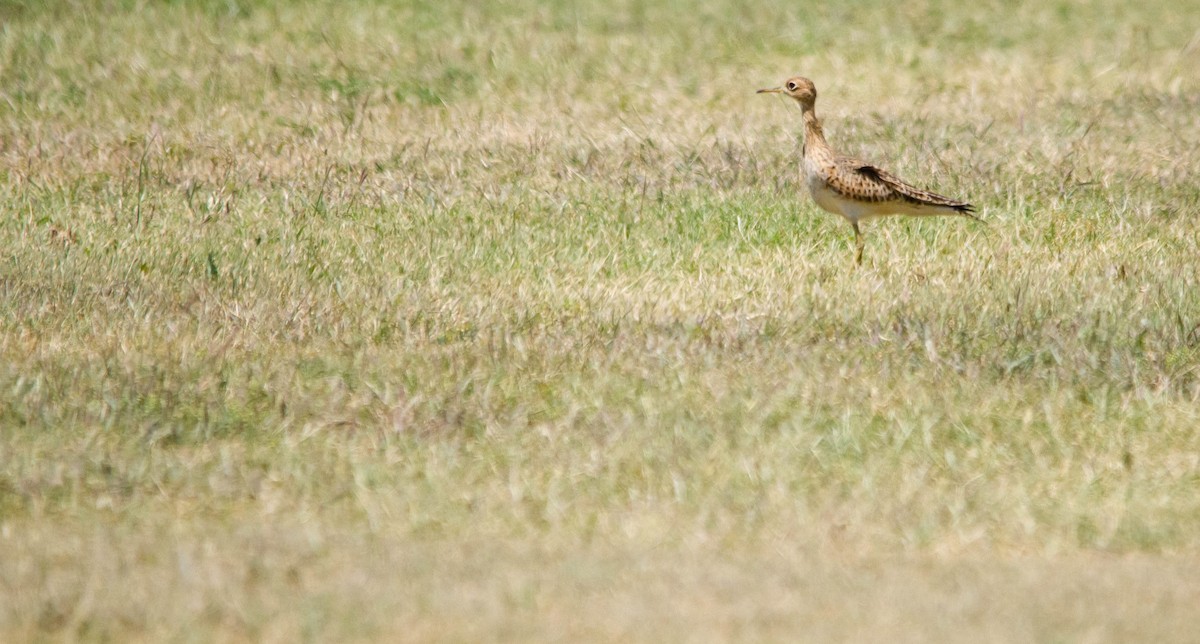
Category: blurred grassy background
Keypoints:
(326, 320)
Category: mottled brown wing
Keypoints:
(909, 192)
(848, 180)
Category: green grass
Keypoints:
(432, 321)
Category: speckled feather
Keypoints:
(860, 181)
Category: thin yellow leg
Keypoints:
(858, 244)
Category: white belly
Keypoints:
(825, 198)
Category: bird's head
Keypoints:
(797, 87)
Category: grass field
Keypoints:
(513, 321)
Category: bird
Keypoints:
(852, 188)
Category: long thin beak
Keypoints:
(770, 90)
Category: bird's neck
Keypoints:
(814, 136)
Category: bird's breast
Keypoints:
(821, 193)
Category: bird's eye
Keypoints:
(791, 87)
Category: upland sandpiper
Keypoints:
(852, 188)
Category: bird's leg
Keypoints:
(858, 244)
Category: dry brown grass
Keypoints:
(442, 322)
